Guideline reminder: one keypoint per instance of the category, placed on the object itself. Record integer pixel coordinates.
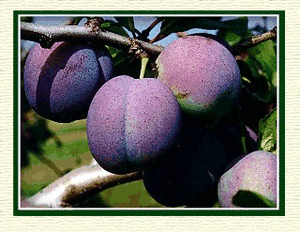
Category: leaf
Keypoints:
(229, 36)
(126, 22)
(77, 20)
(238, 26)
(177, 24)
(250, 199)
(245, 70)
(27, 19)
(265, 54)
(217, 205)
(180, 24)
(124, 63)
(261, 60)
(114, 27)
(267, 135)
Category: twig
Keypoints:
(253, 41)
(76, 186)
(47, 35)
(145, 33)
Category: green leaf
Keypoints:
(238, 26)
(77, 20)
(261, 60)
(180, 24)
(126, 22)
(124, 63)
(265, 55)
(267, 135)
(250, 199)
(114, 27)
(217, 205)
(229, 36)
(27, 19)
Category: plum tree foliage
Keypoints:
(191, 120)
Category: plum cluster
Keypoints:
(179, 129)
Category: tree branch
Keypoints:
(47, 35)
(76, 186)
(253, 41)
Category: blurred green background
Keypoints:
(66, 149)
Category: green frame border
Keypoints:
(146, 211)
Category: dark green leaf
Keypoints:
(250, 199)
(77, 20)
(126, 22)
(267, 136)
(238, 25)
(124, 63)
(27, 19)
(180, 24)
(114, 27)
(217, 205)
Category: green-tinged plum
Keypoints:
(189, 175)
(131, 123)
(203, 75)
(60, 82)
(255, 172)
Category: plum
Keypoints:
(131, 123)
(60, 82)
(189, 175)
(203, 75)
(255, 172)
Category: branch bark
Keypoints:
(253, 41)
(76, 186)
(47, 35)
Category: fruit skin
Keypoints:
(189, 175)
(203, 75)
(256, 172)
(60, 82)
(219, 39)
(131, 123)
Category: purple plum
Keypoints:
(203, 75)
(131, 123)
(60, 82)
(256, 172)
(189, 175)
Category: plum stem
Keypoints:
(144, 62)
